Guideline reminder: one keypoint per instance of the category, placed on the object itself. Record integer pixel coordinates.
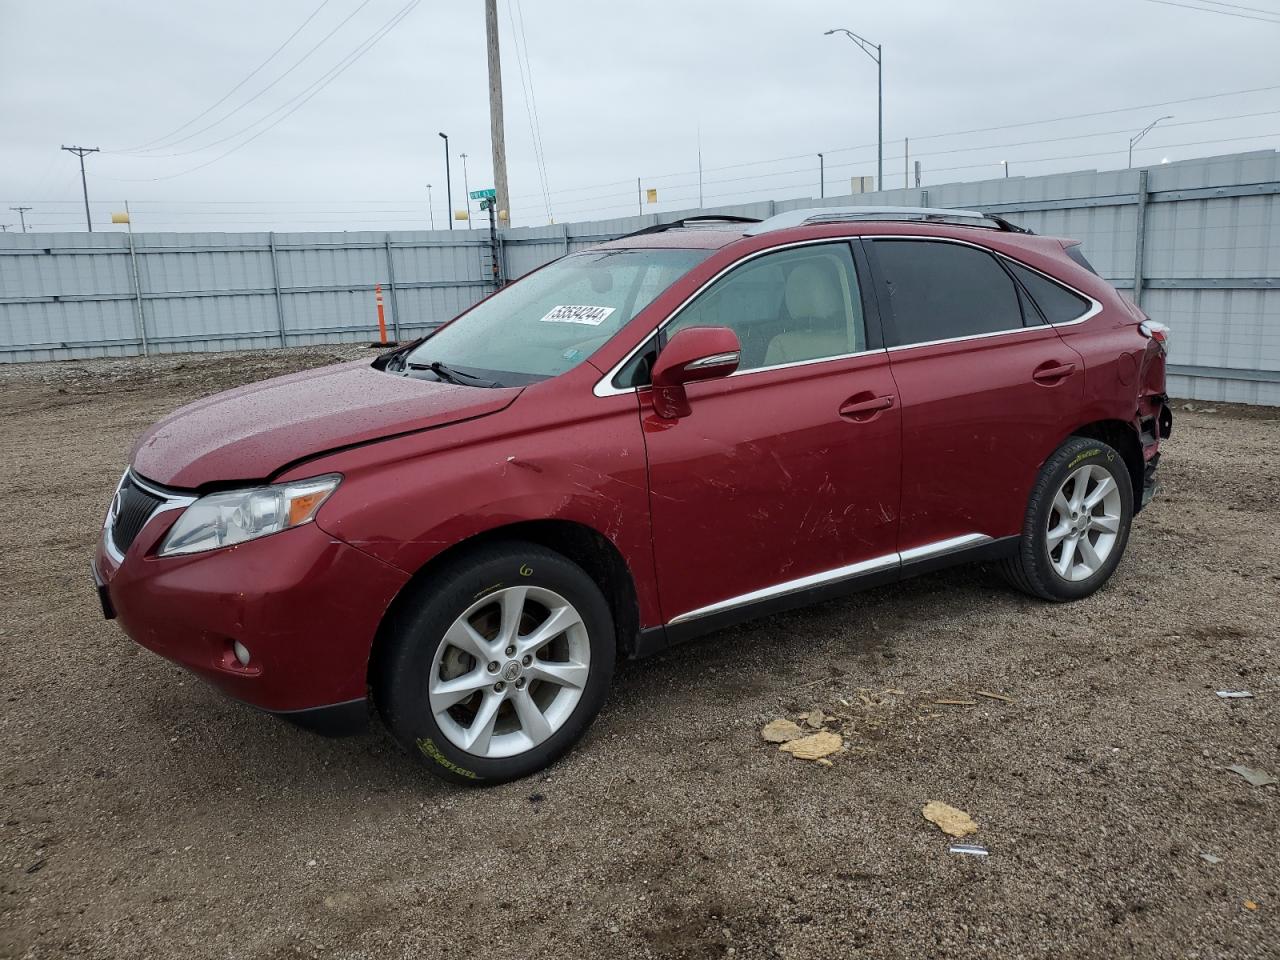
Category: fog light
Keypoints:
(241, 652)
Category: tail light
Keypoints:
(1155, 330)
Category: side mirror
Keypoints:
(693, 354)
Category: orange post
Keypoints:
(382, 323)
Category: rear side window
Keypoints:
(1056, 302)
(939, 291)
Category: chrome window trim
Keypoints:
(168, 502)
(604, 387)
(838, 575)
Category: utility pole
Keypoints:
(466, 188)
(448, 179)
(906, 165)
(431, 213)
(80, 152)
(822, 177)
(495, 108)
(22, 215)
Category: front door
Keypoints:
(784, 476)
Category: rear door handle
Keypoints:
(1053, 372)
(865, 409)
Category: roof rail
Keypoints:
(691, 222)
(820, 215)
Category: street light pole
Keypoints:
(1005, 164)
(1142, 133)
(822, 177)
(866, 46)
(448, 180)
(431, 213)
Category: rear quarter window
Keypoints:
(1056, 302)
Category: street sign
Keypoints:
(484, 194)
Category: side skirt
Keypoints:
(656, 639)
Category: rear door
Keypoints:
(784, 477)
(988, 390)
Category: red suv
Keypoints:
(695, 424)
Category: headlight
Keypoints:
(235, 516)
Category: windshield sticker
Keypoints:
(591, 316)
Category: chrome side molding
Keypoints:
(838, 575)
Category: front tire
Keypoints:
(497, 665)
(1077, 523)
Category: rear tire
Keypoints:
(1077, 523)
(497, 665)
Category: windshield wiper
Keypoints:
(450, 375)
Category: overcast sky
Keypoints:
(621, 89)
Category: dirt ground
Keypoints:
(144, 815)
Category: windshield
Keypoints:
(553, 319)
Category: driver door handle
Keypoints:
(854, 409)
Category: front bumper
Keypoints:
(306, 606)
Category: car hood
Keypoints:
(251, 432)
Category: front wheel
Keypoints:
(498, 665)
(1077, 522)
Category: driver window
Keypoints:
(786, 307)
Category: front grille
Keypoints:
(133, 508)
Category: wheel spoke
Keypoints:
(1089, 556)
(464, 636)
(563, 674)
(512, 610)
(1079, 482)
(1055, 536)
(532, 721)
(1060, 504)
(1104, 487)
(1067, 559)
(445, 693)
(481, 729)
(561, 619)
(1105, 523)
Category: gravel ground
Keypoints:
(144, 815)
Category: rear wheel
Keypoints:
(1077, 522)
(499, 664)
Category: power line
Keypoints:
(237, 109)
(1223, 13)
(315, 88)
(252, 73)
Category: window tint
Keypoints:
(1058, 304)
(942, 290)
(785, 307)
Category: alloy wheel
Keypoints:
(510, 671)
(1084, 523)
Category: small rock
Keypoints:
(780, 731)
(815, 719)
(1210, 858)
(311, 863)
(951, 821)
(1255, 778)
(814, 746)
